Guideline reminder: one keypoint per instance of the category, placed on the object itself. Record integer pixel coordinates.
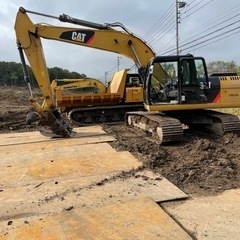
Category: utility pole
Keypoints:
(178, 6)
(106, 73)
(118, 62)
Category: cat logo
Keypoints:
(84, 36)
(78, 36)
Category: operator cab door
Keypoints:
(194, 81)
(176, 80)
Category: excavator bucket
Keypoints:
(52, 124)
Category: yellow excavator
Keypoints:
(177, 90)
(185, 98)
(98, 36)
(89, 101)
(82, 85)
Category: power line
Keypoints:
(168, 27)
(165, 46)
(161, 26)
(217, 40)
(212, 27)
(211, 33)
(161, 31)
(159, 22)
(199, 37)
(206, 35)
(199, 43)
(209, 23)
(192, 46)
(197, 8)
(192, 2)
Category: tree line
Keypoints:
(223, 66)
(11, 74)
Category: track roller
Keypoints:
(166, 129)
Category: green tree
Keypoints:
(59, 73)
(11, 73)
(223, 66)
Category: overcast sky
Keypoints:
(208, 28)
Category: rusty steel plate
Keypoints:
(58, 188)
(135, 219)
(81, 135)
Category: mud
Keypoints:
(14, 107)
(200, 165)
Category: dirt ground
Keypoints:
(201, 165)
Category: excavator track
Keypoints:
(169, 126)
(167, 129)
(210, 121)
(103, 114)
(221, 123)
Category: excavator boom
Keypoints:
(99, 36)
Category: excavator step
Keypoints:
(167, 129)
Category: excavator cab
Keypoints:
(175, 80)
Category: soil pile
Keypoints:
(201, 164)
(14, 107)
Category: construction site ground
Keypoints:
(192, 185)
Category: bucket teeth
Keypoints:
(52, 124)
(32, 117)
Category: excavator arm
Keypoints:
(32, 47)
(51, 122)
(78, 85)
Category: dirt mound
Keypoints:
(199, 165)
(14, 108)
